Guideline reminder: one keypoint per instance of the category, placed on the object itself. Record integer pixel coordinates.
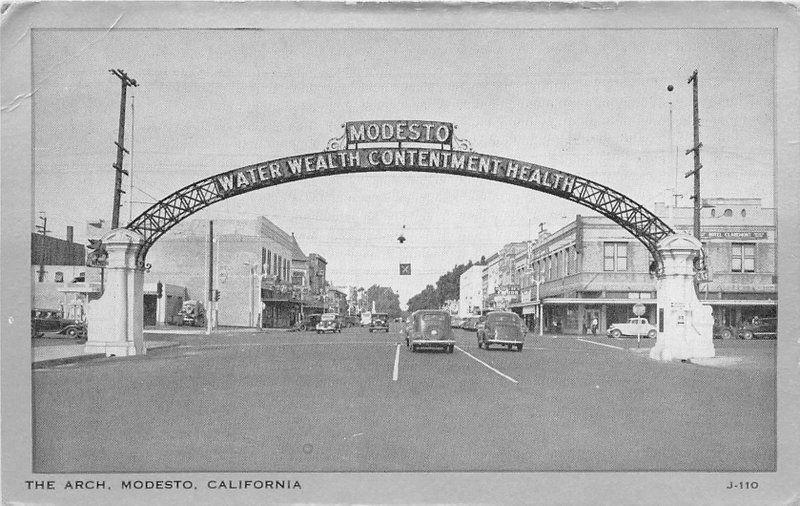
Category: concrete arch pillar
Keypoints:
(115, 319)
(687, 323)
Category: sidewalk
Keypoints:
(67, 353)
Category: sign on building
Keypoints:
(405, 269)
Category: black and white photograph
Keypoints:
(399, 253)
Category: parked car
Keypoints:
(634, 327)
(380, 321)
(52, 321)
(192, 313)
(503, 328)
(471, 323)
(759, 328)
(430, 328)
(329, 322)
(310, 321)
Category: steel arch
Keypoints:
(171, 210)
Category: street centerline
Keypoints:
(600, 344)
(509, 378)
(396, 363)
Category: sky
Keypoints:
(589, 102)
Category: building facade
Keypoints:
(470, 291)
(263, 277)
(592, 268)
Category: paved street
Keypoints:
(288, 401)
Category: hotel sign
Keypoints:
(731, 234)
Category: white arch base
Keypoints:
(116, 318)
(688, 326)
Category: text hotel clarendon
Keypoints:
(362, 160)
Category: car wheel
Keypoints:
(616, 334)
(406, 342)
(72, 332)
(747, 335)
(726, 334)
(413, 348)
(509, 347)
(450, 349)
(652, 334)
(519, 347)
(480, 343)
(486, 346)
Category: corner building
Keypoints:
(592, 267)
(260, 271)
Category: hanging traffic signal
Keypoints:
(159, 290)
(216, 295)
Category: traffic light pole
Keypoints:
(118, 191)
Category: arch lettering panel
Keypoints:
(165, 214)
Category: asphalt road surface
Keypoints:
(355, 401)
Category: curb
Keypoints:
(65, 360)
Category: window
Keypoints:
(615, 256)
(269, 262)
(713, 212)
(263, 259)
(728, 213)
(743, 257)
(744, 213)
(59, 277)
(41, 273)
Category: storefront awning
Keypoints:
(548, 302)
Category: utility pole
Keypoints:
(118, 191)
(42, 229)
(696, 150)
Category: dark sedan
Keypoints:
(501, 328)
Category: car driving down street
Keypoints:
(430, 328)
(501, 328)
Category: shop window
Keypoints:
(59, 277)
(743, 257)
(615, 256)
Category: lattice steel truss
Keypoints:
(633, 217)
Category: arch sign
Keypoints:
(401, 146)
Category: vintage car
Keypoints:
(634, 327)
(758, 328)
(192, 313)
(471, 322)
(52, 321)
(329, 322)
(380, 322)
(501, 328)
(430, 328)
(309, 321)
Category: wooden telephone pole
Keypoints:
(118, 191)
(696, 150)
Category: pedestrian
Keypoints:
(594, 325)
